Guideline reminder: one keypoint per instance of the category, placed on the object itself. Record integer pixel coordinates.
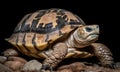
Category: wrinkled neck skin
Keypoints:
(75, 41)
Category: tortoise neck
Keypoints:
(74, 40)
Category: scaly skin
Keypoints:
(58, 54)
(103, 53)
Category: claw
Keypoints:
(46, 66)
(117, 64)
(51, 69)
(112, 66)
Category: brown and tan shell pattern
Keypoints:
(39, 29)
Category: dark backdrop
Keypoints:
(98, 12)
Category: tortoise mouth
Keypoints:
(92, 36)
(95, 34)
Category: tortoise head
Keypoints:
(87, 34)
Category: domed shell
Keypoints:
(39, 29)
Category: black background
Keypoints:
(98, 12)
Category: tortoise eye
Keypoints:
(88, 29)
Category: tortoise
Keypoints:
(55, 34)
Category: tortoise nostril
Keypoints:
(88, 29)
(97, 26)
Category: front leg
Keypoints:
(58, 54)
(103, 53)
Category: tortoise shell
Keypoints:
(37, 30)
